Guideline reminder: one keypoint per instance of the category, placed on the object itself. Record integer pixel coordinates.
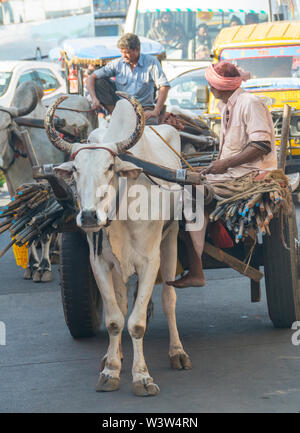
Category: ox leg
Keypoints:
(54, 249)
(143, 384)
(43, 273)
(121, 297)
(33, 262)
(109, 379)
(178, 357)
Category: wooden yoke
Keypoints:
(181, 176)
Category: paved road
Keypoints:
(240, 362)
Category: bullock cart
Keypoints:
(252, 229)
(257, 220)
(261, 241)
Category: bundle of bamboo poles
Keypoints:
(256, 212)
(253, 206)
(31, 213)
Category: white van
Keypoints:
(187, 29)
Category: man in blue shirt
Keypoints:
(135, 73)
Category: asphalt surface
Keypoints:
(240, 362)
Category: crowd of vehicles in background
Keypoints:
(187, 31)
(44, 24)
(187, 40)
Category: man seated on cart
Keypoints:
(247, 144)
(135, 73)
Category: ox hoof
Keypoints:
(103, 361)
(54, 258)
(180, 361)
(146, 387)
(27, 274)
(107, 383)
(46, 277)
(36, 276)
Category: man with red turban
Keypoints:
(247, 143)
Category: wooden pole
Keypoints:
(285, 133)
(234, 263)
(29, 148)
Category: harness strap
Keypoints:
(6, 110)
(74, 154)
(73, 109)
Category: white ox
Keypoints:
(128, 247)
(14, 161)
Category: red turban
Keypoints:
(225, 76)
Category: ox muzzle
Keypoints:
(89, 220)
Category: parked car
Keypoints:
(187, 91)
(13, 73)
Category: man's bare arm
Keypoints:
(249, 154)
(162, 97)
(90, 85)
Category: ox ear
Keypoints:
(64, 170)
(127, 169)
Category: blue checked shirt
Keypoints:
(139, 82)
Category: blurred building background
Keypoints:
(110, 16)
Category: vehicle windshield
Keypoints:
(184, 90)
(189, 34)
(4, 81)
(281, 62)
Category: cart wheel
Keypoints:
(282, 272)
(82, 302)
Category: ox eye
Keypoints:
(110, 167)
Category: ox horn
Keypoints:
(126, 144)
(53, 136)
(21, 96)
